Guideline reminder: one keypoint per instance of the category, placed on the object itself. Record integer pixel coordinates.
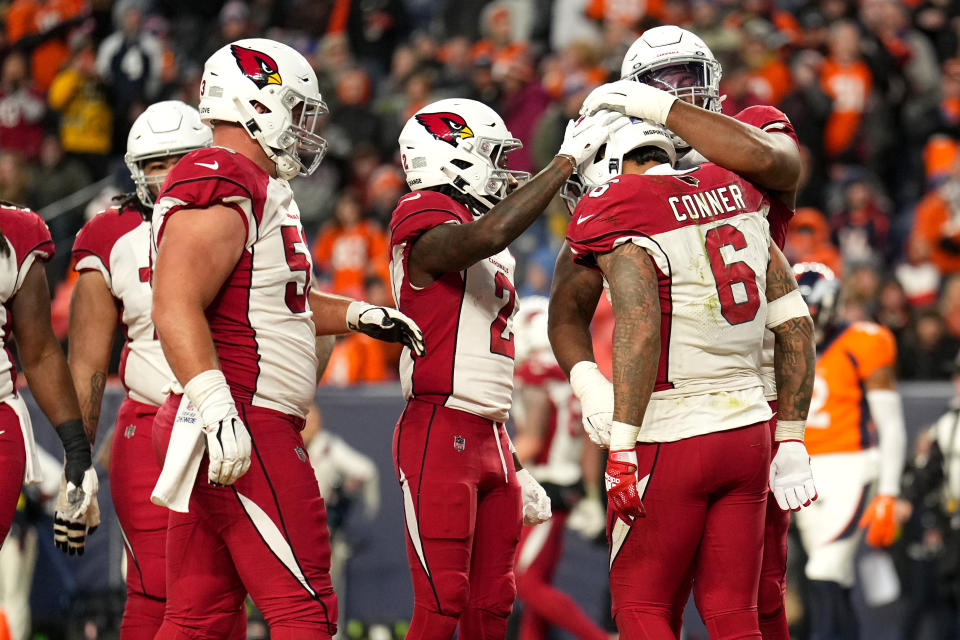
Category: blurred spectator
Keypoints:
(358, 358)
(936, 226)
(522, 105)
(893, 310)
(912, 55)
(861, 289)
(847, 80)
(375, 29)
(130, 63)
(549, 131)
(350, 112)
(950, 305)
(57, 175)
(499, 44)
(768, 75)
(808, 240)
(45, 24)
(22, 108)
(939, 157)
(860, 228)
(454, 79)
(86, 118)
(386, 186)
(570, 23)
(14, 178)
(577, 65)
(349, 248)
(928, 350)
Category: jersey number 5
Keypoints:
(296, 294)
(501, 338)
(729, 275)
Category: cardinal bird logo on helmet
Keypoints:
(445, 126)
(259, 67)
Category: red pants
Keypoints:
(773, 583)
(265, 535)
(463, 513)
(133, 473)
(705, 504)
(545, 606)
(13, 461)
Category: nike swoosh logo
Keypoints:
(209, 165)
(583, 219)
(3, 432)
(413, 197)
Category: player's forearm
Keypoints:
(93, 320)
(636, 335)
(769, 159)
(184, 336)
(794, 363)
(49, 378)
(574, 294)
(450, 248)
(329, 313)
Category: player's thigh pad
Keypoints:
(828, 527)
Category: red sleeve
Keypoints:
(605, 217)
(27, 234)
(536, 372)
(97, 237)
(421, 211)
(769, 119)
(214, 176)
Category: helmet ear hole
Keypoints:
(260, 107)
(461, 164)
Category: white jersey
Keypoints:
(27, 240)
(466, 317)
(260, 321)
(559, 459)
(116, 244)
(707, 234)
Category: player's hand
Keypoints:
(228, 441)
(595, 393)
(77, 512)
(384, 323)
(588, 518)
(585, 135)
(880, 521)
(621, 481)
(536, 504)
(791, 479)
(630, 98)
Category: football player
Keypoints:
(670, 76)
(857, 445)
(25, 245)
(112, 257)
(691, 269)
(464, 494)
(549, 443)
(237, 320)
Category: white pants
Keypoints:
(828, 527)
(17, 560)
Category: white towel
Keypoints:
(32, 473)
(182, 461)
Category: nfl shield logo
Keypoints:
(129, 431)
(301, 454)
(459, 443)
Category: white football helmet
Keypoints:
(607, 163)
(257, 71)
(530, 327)
(462, 143)
(168, 128)
(678, 61)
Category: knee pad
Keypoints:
(770, 594)
(649, 623)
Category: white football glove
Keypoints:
(791, 480)
(228, 441)
(77, 513)
(588, 518)
(385, 323)
(632, 99)
(595, 393)
(536, 504)
(588, 133)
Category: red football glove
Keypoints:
(621, 481)
(880, 522)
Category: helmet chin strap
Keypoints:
(461, 185)
(287, 169)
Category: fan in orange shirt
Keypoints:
(847, 80)
(350, 248)
(856, 439)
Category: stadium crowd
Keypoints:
(872, 87)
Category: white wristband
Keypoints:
(786, 308)
(658, 106)
(790, 430)
(583, 376)
(623, 436)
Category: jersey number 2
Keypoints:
(296, 294)
(501, 338)
(729, 274)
